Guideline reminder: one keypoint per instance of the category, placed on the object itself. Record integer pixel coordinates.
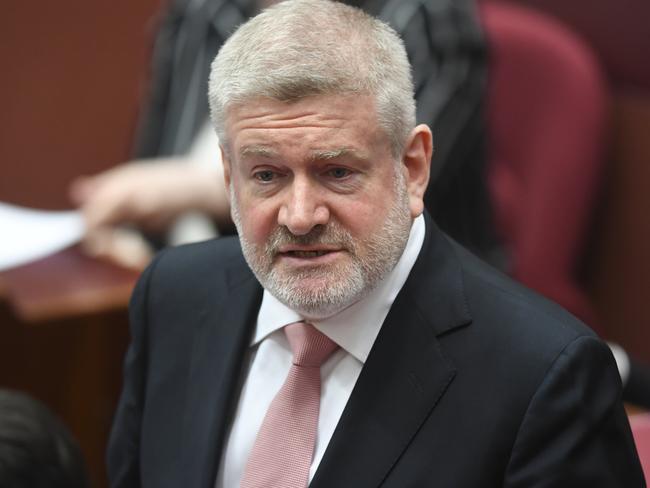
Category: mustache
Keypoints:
(329, 235)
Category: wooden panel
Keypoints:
(620, 275)
(72, 365)
(64, 331)
(72, 77)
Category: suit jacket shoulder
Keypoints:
(476, 381)
(563, 384)
(191, 316)
(513, 314)
(215, 258)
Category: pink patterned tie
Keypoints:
(282, 453)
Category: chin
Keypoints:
(319, 297)
(318, 310)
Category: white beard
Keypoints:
(320, 292)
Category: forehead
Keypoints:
(319, 123)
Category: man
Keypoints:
(347, 342)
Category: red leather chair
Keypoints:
(616, 30)
(546, 113)
(640, 424)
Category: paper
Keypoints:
(27, 234)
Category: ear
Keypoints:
(417, 162)
(225, 161)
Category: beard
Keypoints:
(321, 291)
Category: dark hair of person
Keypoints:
(36, 449)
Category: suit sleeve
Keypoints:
(123, 455)
(575, 431)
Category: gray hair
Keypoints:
(301, 48)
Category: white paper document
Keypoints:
(28, 234)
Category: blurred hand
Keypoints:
(150, 195)
(125, 247)
(146, 195)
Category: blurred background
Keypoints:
(74, 76)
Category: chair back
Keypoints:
(546, 112)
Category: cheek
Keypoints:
(258, 219)
(364, 215)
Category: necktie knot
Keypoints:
(310, 347)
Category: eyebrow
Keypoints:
(259, 151)
(318, 155)
(328, 154)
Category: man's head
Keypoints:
(314, 47)
(313, 102)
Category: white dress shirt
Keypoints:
(353, 329)
(195, 226)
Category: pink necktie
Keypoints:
(282, 453)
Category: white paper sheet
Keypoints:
(28, 234)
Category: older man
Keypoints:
(344, 341)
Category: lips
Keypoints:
(299, 255)
(306, 254)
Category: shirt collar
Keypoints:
(355, 328)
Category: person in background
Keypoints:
(36, 449)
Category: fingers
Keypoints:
(81, 188)
(108, 204)
(124, 247)
(149, 196)
(118, 196)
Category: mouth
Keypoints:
(306, 254)
(302, 256)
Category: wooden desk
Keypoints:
(66, 284)
(64, 331)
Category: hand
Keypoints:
(149, 195)
(125, 247)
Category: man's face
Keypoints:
(321, 206)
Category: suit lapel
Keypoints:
(405, 376)
(220, 344)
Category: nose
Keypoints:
(303, 209)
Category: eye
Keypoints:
(339, 173)
(265, 176)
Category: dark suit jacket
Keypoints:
(473, 381)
